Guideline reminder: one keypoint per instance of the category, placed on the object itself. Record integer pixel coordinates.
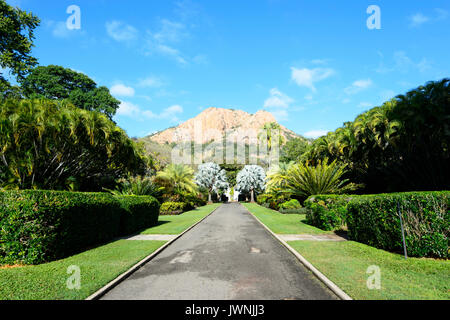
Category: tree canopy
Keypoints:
(402, 145)
(211, 177)
(56, 83)
(251, 179)
(16, 42)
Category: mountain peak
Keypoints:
(218, 121)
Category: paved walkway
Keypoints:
(227, 256)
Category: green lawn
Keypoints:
(346, 263)
(177, 224)
(282, 223)
(98, 267)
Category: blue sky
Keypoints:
(313, 64)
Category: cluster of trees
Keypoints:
(402, 145)
(48, 144)
(36, 82)
(55, 123)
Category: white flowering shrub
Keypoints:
(251, 179)
(211, 177)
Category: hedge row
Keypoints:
(327, 212)
(374, 220)
(42, 226)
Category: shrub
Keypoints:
(327, 212)
(291, 204)
(270, 200)
(140, 212)
(373, 220)
(172, 208)
(41, 226)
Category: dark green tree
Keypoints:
(294, 149)
(56, 83)
(16, 41)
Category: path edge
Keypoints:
(330, 284)
(113, 283)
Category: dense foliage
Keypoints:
(374, 220)
(41, 226)
(172, 208)
(401, 146)
(324, 178)
(16, 42)
(251, 179)
(54, 145)
(211, 177)
(56, 82)
(327, 212)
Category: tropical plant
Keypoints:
(251, 179)
(305, 180)
(54, 145)
(211, 177)
(277, 176)
(402, 145)
(138, 186)
(177, 178)
(16, 42)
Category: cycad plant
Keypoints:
(306, 180)
(137, 186)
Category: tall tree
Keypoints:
(251, 179)
(56, 82)
(16, 42)
(211, 177)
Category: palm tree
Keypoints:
(277, 176)
(178, 178)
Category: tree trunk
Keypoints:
(252, 197)
(209, 198)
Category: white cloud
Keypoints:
(418, 19)
(170, 32)
(121, 90)
(168, 113)
(278, 104)
(128, 109)
(358, 86)
(150, 82)
(277, 99)
(120, 31)
(171, 52)
(314, 134)
(307, 77)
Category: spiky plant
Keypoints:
(325, 178)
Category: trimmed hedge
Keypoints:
(140, 212)
(373, 220)
(172, 208)
(41, 226)
(327, 212)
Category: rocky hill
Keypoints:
(218, 121)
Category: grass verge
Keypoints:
(282, 223)
(98, 267)
(346, 263)
(178, 224)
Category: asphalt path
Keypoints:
(228, 256)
